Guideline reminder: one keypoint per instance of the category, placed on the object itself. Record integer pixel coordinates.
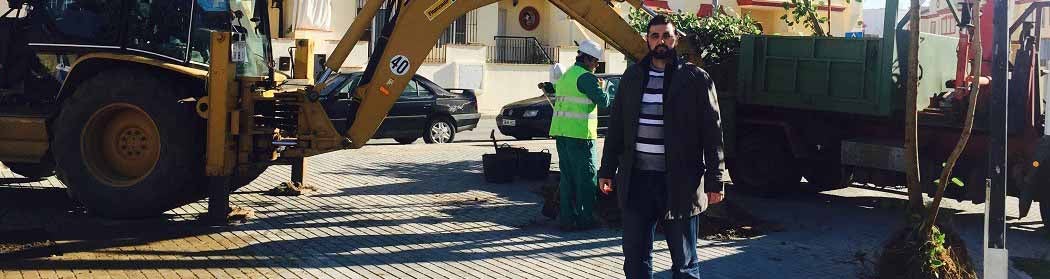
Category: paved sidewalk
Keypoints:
(424, 211)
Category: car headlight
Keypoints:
(531, 113)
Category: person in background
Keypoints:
(574, 127)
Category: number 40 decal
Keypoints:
(399, 65)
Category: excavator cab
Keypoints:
(44, 38)
(110, 94)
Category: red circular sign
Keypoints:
(529, 18)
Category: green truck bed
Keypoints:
(845, 75)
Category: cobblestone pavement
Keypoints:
(424, 211)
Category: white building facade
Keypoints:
(502, 50)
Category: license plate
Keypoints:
(509, 122)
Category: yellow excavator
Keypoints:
(142, 106)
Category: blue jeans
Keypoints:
(646, 206)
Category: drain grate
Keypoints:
(26, 243)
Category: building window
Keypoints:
(1046, 18)
(463, 30)
(933, 27)
(380, 20)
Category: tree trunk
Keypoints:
(814, 20)
(975, 66)
(817, 29)
(915, 198)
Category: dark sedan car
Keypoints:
(424, 110)
(531, 118)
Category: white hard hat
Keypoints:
(593, 49)
(556, 73)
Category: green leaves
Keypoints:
(717, 37)
(935, 250)
(804, 12)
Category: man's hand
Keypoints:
(605, 185)
(715, 198)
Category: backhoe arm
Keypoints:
(413, 31)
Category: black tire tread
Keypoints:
(178, 177)
(766, 144)
(33, 170)
(406, 140)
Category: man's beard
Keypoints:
(663, 52)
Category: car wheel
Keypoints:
(522, 137)
(405, 140)
(440, 130)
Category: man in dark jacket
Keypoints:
(663, 154)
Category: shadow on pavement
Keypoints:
(421, 178)
(817, 226)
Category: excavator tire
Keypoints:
(33, 170)
(128, 147)
(1044, 212)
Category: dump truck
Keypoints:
(832, 110)
(142, 106)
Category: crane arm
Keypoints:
(414, 29)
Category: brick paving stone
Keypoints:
(426, 213)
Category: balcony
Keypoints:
(521, 50)
(437, 55)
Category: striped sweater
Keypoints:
(649, 147)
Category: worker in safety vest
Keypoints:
(575, 129)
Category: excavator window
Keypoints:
(159, 27)
(251, 25)
(207, 16)
(86, 22)
(174, 30)
(247, 19)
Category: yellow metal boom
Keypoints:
(414, 29)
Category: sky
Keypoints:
(878, 4)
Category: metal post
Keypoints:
(995, 254)
(298, 171)
(1046, 115)
(218, 198)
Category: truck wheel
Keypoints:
(823, 176)
(33, 170)
(128, 147)
(764, 164)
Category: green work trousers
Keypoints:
(578, 186)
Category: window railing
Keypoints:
(436, 56)
(472, 27)
(462, 31)
(521, 50)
